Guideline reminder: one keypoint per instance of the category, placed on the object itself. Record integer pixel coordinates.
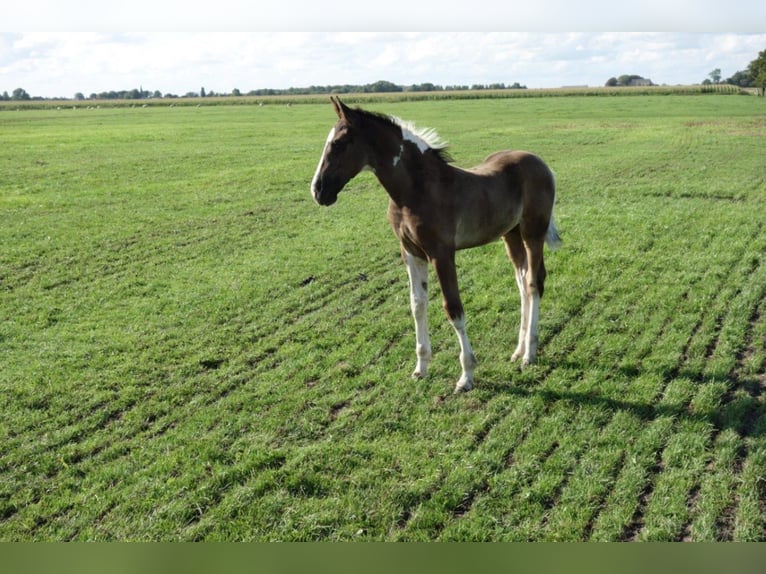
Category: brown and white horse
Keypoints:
(436, 208)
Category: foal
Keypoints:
(436, 208)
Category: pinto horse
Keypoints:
(437, 208)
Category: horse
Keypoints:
(436, 208)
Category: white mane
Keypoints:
(424, 138)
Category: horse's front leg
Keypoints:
(417, 269)
(447, 274)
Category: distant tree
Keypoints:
(236, 92)
(424, 87)
(79, 96)
(202, 92)
(383, 86)
(757, 70)
(20, 94)
(157, 94)
(611, 82)
(5, 97)
(741, 79)
(715, 76)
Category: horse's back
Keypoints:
(526, 163)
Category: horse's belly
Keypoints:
(472, 232)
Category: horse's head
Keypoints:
(341, 159)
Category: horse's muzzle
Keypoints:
(322, 194)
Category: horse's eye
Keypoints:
(342, 139)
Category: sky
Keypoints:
(51, 51)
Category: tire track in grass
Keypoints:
(459, 512)
(496, 412)
(593, 478)
(564, 335)
(516, 499)
(702, 310)
(537, 501)
(82, 448)
(714, 509)
(629, 506)
(88, 452)
(469, 478)
(679, 491)
(719, 294)
(301, 308)
(737, 420)
(749, 524)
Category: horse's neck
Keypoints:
(396, 179)
(409, 175)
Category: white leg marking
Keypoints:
(417, 269)
(534, 313)
(521, 346)
(467, 358)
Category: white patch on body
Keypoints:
(398, 158)
(314, 180)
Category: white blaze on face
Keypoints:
(330, 137)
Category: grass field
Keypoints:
(191, 349)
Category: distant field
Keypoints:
(191, 349)
(381, 97)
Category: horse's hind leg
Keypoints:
(526, 254)
(534, 285)
(518, 256)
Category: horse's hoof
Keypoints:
(463, 387)
(526, 362)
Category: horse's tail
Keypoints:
(552, 237)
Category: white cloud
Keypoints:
(60, 64)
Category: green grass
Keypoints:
(191, 349)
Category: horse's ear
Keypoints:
(340, 109)
(343, 111)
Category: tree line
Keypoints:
(381, 86)
(754, 76)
